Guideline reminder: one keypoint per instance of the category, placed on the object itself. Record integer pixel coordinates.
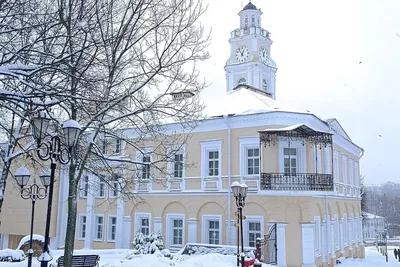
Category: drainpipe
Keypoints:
(229, 228)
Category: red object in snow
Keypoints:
(248, 263)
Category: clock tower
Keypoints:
(250, 62)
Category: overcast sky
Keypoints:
(335, 58)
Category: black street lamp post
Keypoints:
(32, 192)
(54, 149)
(240, 192)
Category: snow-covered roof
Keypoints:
(371, 216)
(244, 100)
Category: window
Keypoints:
(242, 81)
(178, 165)
(356, 175)
(265, 84)
(103, 146)
(142, 223)
(114, 188)
(82, 227)
(336, 166)
(145, 226)
(213, 232)
(210, 159)
(253, 21)
(246, 22)
(351, 172)
(290, 160)
(112, 228)
(84, 186)
(327, 160)
(99, 225)
(254, 233)
(253, 161)
(117, 145)
(212, 229)
(101, 189)
(344, 169)
(177, 232)
(318, 165)
(213, 163)
(146, 167)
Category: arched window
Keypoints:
(253, 21)
(246, 22)
(241, 81)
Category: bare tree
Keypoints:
(112, 65)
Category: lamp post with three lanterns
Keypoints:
(52, 147)
(240, 192)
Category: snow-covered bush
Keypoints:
(11, 255)
(143, 244)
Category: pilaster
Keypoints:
(158, 221)
(308, 249)
(120, 223)
(192, 230)
(127, 226)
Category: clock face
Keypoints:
(242, 53)
(263, 54)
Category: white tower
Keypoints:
(250, 62)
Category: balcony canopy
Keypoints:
(298, 132)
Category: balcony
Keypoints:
(298, 181)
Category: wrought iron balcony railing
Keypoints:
(297, 181)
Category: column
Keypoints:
(62, 212)
(120, 223)
(232, 237)
(89, 214)
(341, 236)
(126, 226)
(192, 230)
(281, 243)
(333, 247)
(158, 225)
(4, 241)
(308, 251)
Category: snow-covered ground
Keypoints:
(116, 258)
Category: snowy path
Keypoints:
(115, 258)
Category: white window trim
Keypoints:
(207, 146)
(99, 182)
(249, 219)
(121, 146)
(301, 155)
(79, 232)
(82, 186)
(327, 160)
(345, 172)
(95, 228)
(204, 227)
(169, 235)
(111, 188)
(248, 143)
(171, 163)
(317, 236)
(139, 157)
(351, 172)
(109, 228)
(336, 173)
(138, 217)
(318, 158)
